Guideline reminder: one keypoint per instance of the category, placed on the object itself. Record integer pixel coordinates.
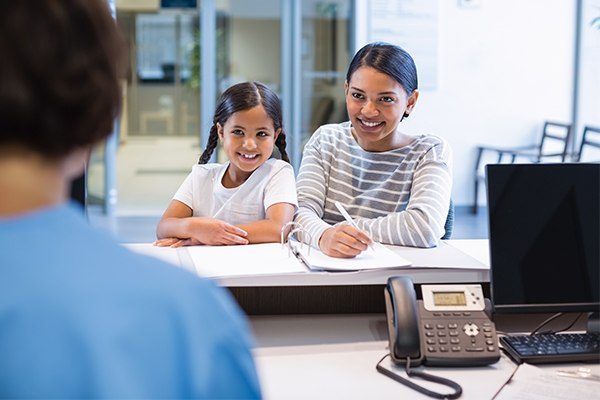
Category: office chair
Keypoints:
(553, 144)
(449, 222)
(590, 138)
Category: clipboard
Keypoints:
(379, 257)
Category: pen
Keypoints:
(348, 218)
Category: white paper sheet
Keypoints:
(249, 260)
(533, 383)
(378, 257)
(166, 254)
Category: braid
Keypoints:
(281, 144)
(213, 139)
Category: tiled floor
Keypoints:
(134, 229)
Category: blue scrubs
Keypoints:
(80, 316)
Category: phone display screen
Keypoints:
(449, 299)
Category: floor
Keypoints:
(136, 229)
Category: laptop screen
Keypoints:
(544, 222)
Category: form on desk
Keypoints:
(273, 259)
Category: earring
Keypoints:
(405, 115)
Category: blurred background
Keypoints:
(491, 73)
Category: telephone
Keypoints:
(447, 328)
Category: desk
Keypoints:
(334, 357)
(349, 292)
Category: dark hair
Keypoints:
(240, 97)
(388, 59)
(60, 65)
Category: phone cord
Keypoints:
(428, 377)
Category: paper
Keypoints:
(166, 254)
(442, 256)
(378, 257)
(252, 259)
(533, 383)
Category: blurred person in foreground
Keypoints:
(80, 316)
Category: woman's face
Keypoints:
(376, 103)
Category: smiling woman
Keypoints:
(395, 186)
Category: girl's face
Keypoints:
(248, 138)
(376, 103)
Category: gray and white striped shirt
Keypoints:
(398, 197)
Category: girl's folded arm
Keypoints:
(269, 229)
(175, 221)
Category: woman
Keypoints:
(394, 185)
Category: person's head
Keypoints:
(381, 90)
(60, 63)
(248, 123)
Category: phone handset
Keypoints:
(405, 346)
(403, 321)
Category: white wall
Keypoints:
(504, 67)
(589, 78)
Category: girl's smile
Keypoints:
(248, 138)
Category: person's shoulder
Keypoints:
(433, 146)
(427, 142)
(203, 168)
(332, 134)
(274, 169)
(142, 276)
(210, 170)
(336, 130)
(277, 165)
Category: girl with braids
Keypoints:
(246, 200)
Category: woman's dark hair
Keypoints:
(60, 66)
(388, 59)
(240, 97)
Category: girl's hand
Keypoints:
(216, 232)
(166, 242)
(176, 242)
(344, 241)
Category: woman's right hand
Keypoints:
(216, 232)
(344, 241)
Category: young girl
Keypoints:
(395, 186)
(246, 200)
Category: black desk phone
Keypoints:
(447, 328)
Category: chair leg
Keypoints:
(475, 195)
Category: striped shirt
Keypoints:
(398, 197)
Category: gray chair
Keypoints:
(449, 222)
(590, 138)
(553, 144)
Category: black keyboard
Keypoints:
(553, 348)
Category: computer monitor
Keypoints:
(544, 226)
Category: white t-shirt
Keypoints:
(271, 183)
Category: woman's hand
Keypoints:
(344, 241)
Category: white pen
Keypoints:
(348, 218)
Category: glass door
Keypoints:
(248, 43)
(326, 53)
(181, 59)
(157, 138)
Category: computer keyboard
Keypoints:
(553, 348)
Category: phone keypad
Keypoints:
(459, 338)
